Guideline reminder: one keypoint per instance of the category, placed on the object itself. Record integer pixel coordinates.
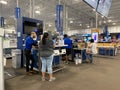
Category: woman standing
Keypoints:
(46, 55)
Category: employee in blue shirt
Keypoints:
(29, 44)
(68, 42)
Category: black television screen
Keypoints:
(104, 7)
(92, 3)
(32, 26)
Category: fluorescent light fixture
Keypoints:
(114, 24)
(71, 21)
(3, 2)
(37, 12)
(109, 20)
(76, 0)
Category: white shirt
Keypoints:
(94, 48)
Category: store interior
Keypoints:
(81, 20)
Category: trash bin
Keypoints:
(16, 58)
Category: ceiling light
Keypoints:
(94, 10)
(37, 12)
(71, 21)
(104, 21)
(3, 2)
(80, 24)
(109, 20)
(114, 24)
(49, 25)
(88, 26)
(102, 16)
(54, 14)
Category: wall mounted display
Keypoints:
(104, 7)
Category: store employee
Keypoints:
(29, 44)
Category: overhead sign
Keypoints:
(2, 22)
(104, 7)
(17, 12)
(59, 18)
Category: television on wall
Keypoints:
(32, 26)
(104, 7)
(92, 3)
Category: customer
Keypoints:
(46, 54)
(68, 42)
(29, 44)
(91, 49)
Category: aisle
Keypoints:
(104, 74)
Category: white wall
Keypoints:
(112, 29)
(115, 29)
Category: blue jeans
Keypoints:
(47, 64)
(90, 57)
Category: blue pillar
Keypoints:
(17, 12)
(59, 18)
(2, 22)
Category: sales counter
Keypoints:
(106, 48)
(58, 52)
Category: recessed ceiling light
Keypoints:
(71, 21)
(3, 2)
(114, 24)
(104, 21)
(94, 10)
(54, 14)
(109, 20)
(37, 12)
(80, 24)
(88, 26)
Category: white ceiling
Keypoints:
(77, 10)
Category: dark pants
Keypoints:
(29, 57)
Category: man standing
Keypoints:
(29, 44)
(68, 42)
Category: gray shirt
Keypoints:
(47, 49)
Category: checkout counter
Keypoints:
(58, 52)
(107, 48)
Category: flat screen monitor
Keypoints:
(104, 7)
(95, 36)
(92, 3)
(32, 26)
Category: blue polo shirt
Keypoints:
(29, 42)
(68, 42)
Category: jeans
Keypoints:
(47, 64)
(90, 57)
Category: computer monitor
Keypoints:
(28, 27)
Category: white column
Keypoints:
(33, 4)
(96, 20)
(17, 3)
(30, 9)
(1, 61)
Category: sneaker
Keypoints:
(52, 79)
(43, 78)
